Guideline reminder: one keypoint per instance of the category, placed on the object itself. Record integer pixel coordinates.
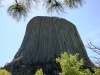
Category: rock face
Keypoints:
(45, 39)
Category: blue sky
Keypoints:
(85, 18)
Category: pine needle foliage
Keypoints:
(21, 7)
(29, 3)
(18, 11)
(73, 3)
(54, 5)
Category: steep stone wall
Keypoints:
(45, 39)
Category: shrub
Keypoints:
(4, 72)
(39, 72)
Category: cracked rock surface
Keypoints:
(45, 39)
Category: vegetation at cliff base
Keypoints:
(70, 65)
(39, 72)
(4, 72)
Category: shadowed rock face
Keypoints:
(45, 39)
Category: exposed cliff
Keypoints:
(45, 39)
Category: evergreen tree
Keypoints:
(21, 8)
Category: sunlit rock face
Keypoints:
(45, 39)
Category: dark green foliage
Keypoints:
(18, 11)
(21, 7)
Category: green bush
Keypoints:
(70, 65)
(39, 72)
(4, 72)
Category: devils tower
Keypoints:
(45, 39)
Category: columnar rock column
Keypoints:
(45, 39)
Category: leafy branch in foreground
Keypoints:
(21, 8)
(18, 11)
(53, 5)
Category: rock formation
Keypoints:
(45, 39)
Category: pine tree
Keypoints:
(21, 8)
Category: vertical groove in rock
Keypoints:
(46, 37)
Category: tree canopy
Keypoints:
(20, 8)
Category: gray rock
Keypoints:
(45, 39)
